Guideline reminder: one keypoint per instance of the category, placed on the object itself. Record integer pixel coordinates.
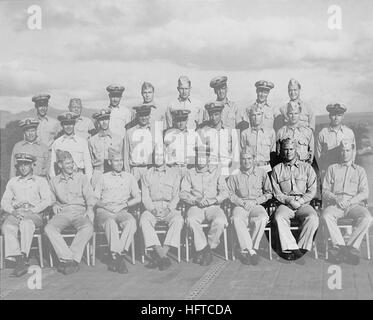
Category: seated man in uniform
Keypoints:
(294, 185)
(116, 191)
(160, 188)
(31, 144)
(204, 189)
(345, 188)
(73, 206)
(248, 190)
(23, 201)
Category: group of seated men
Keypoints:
(94, 179)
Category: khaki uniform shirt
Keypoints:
(33, 191)
(160, 189)
(206, 183)
(294, 181)
(346, 181)
(114, 189)
(250, 185)
(260, 141)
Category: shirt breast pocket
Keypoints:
(167, 189)
(285, 183)
(301, 182)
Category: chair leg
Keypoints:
(1, 253)
(50, 248)
(368, 244)
(93, 249)
(133, 251)
(187, 246)
(87, 252)
(315, 248)
(179, 254)
(270, 244)
(326, 248)
(40, 250)
(225, 244)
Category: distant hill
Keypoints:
(6, 116)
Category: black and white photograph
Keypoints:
(192, 151)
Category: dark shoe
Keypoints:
(244, 258)
(112, 264)
(350, 257)
(164, 264)
(20, 268)
(287, 256)
(297, 254)
(207, 257)
(254, 259)
(336, 255)
(71, 266)
(121, 265)
(61, 266)
(198, 257)
(153, 264)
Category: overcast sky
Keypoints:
(85, 45)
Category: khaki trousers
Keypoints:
(26, 228)
(111, 223)
(175, 224)
(215, 216)
(71, 217)
(309, 220)
(362, 221)
(256, 216)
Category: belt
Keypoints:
(261, 163)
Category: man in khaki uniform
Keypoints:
(345, 189)
(116, 191)
(263, 88)
(230, 114)
(222, 140)
(157, 115)
(248, 190)
(179, 143)
(204, 189)
(303, 136)
(83, 125)
(120, 114)
(75, 145)
(100, 143)
(294, 185)
(329, 138)
(307, 117)
(23, 201)
(139, 143)
(73, 206)
(31, 145)
(48, 127)
(185, 102)
(259, 140)
(160, 188)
